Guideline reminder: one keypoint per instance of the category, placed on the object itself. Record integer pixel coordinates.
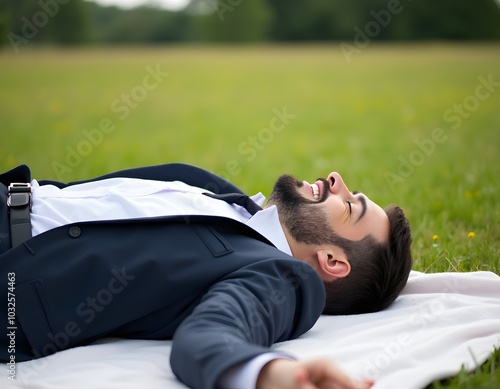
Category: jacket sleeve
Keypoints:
(242, 315)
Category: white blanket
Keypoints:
(440, 322)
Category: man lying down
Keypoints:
(175, 252)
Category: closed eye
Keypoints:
(362, 201)
(350, 207)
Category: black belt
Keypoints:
(19, 203)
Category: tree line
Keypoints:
(71, 22)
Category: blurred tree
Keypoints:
(77, 21)
(313, 20)
(423, 19)
(447, 19)
(17, 20)
(138, 25)
(42, 21)
(231, 20)
(70, 23)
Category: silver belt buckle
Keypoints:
(19, 194)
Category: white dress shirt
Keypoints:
(126, 198)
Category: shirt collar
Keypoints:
(266, 223)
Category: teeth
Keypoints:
(315, 191)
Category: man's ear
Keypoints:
(333, 263)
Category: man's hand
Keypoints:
(314, 374)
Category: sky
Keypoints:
(167, 4)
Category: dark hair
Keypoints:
(379, 271)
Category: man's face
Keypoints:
(314, 213)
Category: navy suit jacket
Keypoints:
(221, 291)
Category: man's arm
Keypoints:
(242, 315)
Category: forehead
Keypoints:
(375, 221)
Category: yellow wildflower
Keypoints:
(471, 234)
(435, 237)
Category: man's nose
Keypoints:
(336, 183)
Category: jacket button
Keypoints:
(75, 232)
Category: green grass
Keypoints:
(215, 107)
(486, 376)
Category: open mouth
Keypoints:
(315, 191)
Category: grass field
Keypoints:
(416, 125)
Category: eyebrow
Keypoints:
(362, 200)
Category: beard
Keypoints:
(303, 218)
